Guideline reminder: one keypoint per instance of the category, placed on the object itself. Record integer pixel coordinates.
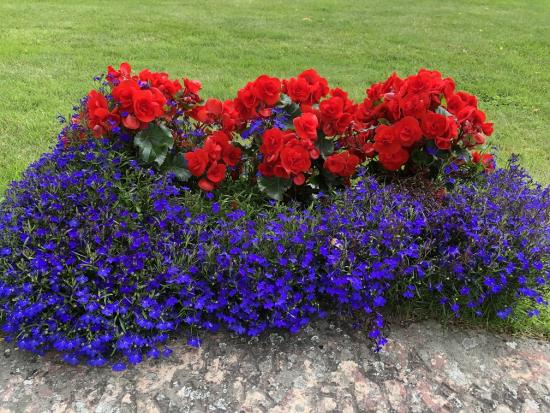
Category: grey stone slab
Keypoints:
(325, 368)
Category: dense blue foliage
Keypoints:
(102, 258)
(492, 241)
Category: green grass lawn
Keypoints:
(498, 50)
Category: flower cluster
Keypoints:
(291, 137)
(286, 131)
(419, 120)
(102, 259)
(132, 258)
(286, 156)
(493, 246)
(307, 88)
(211, 161)
(137, 100)
(148, 111)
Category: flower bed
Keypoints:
(291, 137)
(152, 215)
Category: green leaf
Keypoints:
(274, 187)
(178, 166)
(292, 109)
(285, 100)
(314, 182)
(325, 146)
(442, 111)
(442, 154)
(420, 157)
(329, 179)
(462, 153)
(154, 143)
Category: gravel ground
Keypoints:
(325, 368)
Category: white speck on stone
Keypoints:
(80, 407)
(189, 393)
(276, 338)
(378, 367)
(530, 406)
(328, 404)
(219, 405)
(456, 375)
(469, 343)
(512, 344)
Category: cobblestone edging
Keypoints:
(425, 367)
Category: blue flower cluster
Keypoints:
(279, 119)
(491, 246)
(102, 259)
